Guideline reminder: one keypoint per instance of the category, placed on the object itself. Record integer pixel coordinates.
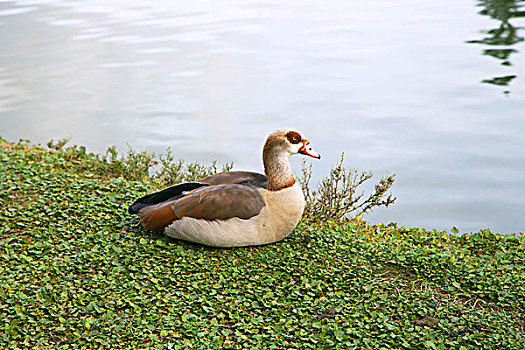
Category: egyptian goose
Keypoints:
(237, 208)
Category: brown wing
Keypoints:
(219, 202)
(247, 178)
(168, 194)
(156, 217)
(158, 210)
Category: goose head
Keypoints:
(279, 146)
(289, 142)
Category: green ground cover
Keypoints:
(77, 272)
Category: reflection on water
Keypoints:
(505, 35)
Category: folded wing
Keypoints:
(220, 202)
(247, 178)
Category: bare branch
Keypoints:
(337, 196)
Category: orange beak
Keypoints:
(306, 149)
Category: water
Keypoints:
(432, 92)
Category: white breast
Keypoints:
(276, 220)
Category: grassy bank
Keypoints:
(77, 272)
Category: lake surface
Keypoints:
(431, 91)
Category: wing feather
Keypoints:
(157, 217)
(170, 193)
(220, 202)
(215, 197)
(247, 178)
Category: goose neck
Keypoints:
(277, 169)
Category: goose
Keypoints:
(237, 208)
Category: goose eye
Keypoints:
(293, 137)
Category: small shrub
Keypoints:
(337, 195)
(59, 145)
(175, 171)
(134, 165)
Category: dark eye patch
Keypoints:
(293, 137)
